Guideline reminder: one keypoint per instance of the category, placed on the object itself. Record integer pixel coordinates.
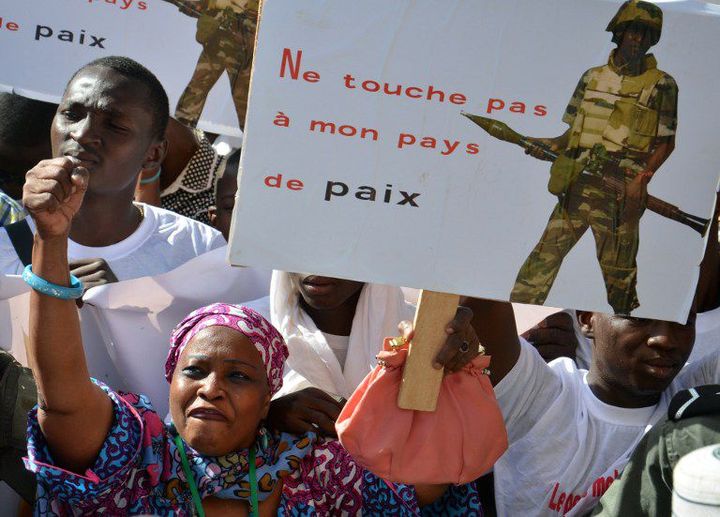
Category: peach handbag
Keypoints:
(457, 443)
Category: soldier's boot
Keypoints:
(620, 286)
(617, 257)
(240, 85)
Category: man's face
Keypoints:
(324, 293)
(634, 43)
(221, 214)
(642, 356)
(104, 122)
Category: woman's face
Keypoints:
(324, 292)
(219, 392)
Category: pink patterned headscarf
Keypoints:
(257, 329)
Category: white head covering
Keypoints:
(379, 310)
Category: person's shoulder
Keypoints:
(566, 366)
(585, 77)
(165, 217)
(666, 82)
(530, 367)
(172, 225)
(566, 370)
(139, 408)
(334, 463)
(139, 403)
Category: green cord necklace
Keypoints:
(197, 500)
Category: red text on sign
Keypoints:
(344, 129)
(515, 107)
(292, 66)
(11, 26)
(277, 180)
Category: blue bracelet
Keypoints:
(56, 291)
(152, 179)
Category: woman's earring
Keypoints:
(264, 438)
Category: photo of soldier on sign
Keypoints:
(226, 31)
(622, 121)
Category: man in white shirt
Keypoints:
(571, 431)
(112, 121)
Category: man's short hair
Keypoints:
(25, 122)
(157, 99)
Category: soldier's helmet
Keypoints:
(637, 12)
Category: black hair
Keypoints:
(233, 163)
(156, 99)
(25, 122)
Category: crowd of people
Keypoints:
(106, 187)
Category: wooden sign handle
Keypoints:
(421, 382)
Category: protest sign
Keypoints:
(360, 162)
(44, 41)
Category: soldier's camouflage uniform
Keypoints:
(629, 116)
(226, 31)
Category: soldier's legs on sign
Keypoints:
(238, 60)
(208, 70)
(567, 223)
(616, 246)
(617, 253)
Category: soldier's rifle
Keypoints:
(188, 7)
(599, 159)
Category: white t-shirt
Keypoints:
(163, 241)
(707, 334)
(339, 345)
(565, 445)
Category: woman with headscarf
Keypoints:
(97, 451)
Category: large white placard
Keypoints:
(43, 42)
(358, 163)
